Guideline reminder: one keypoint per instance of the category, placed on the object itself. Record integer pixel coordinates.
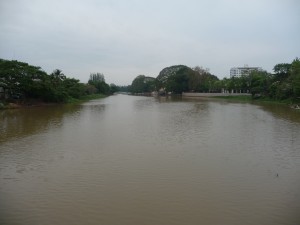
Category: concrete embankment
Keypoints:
(193, 94)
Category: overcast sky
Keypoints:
(125, 38)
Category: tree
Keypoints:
(282, 68)
(57, 77)
(26, 82)
(201, 70)
(124, 88)
(259, 83)
(166, 73)
(295, 78)
(73, 88)
(142, 84)
(181, 78)
(90, 89)
(97, 77)
(55, 86)
(97, 80)
(179, 82)
(240, 84)
(20, 80)
(114, 88)
(286, 81)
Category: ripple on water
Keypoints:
(137, 160)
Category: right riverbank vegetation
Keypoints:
(281, 86)
(24, 84)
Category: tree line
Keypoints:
(283, 84)
(22, 82)
(175, 79)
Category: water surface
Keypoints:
(141, 160)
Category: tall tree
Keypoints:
(20, 79)
(295, 78)
(179, 82)
(95, 77)
(143, 84)
(98, 80)
(282, 71)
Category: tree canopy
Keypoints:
(180, 78)
(21, 81)
(98, 81)
(283, 84)
(142, 84)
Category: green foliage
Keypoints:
(259, 83)
(74, 88)
(20, 82)
(114, 88)
(90, 89)
(282, 71)
(19, 79)
(102, 87)
(295, 78)
(284, 84)
(142, 84)
(286, 81)
(137, 85)
(98, 81)
(180, 78)
(200, 80)
(179, 82)
(124, 88)
(95, 77)
(164, 75)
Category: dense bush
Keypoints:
(21, 81)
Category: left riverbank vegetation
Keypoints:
(24, 84)
(282, 85)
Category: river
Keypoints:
(150, 161)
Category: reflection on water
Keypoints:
(285, 113)
(27, 121)
(141, 160)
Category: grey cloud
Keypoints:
(125, 38)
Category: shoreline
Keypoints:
(38, 103)
(287, 102)
(196, 94)
(244, 97)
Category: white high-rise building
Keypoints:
(246, 70)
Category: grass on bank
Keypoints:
(85, 98)
(259, 99)
(35, 102)
(236, 98)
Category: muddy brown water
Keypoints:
(150, 161)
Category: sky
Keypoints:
(125, 38)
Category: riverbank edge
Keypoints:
(36, 103)
(244, 97)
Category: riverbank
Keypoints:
(195, 94)
(39, 103)
(244, 97)
(85, 98)
(288, 102)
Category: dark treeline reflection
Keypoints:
(18, 123)
(282, 111)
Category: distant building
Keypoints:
(246, 70)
